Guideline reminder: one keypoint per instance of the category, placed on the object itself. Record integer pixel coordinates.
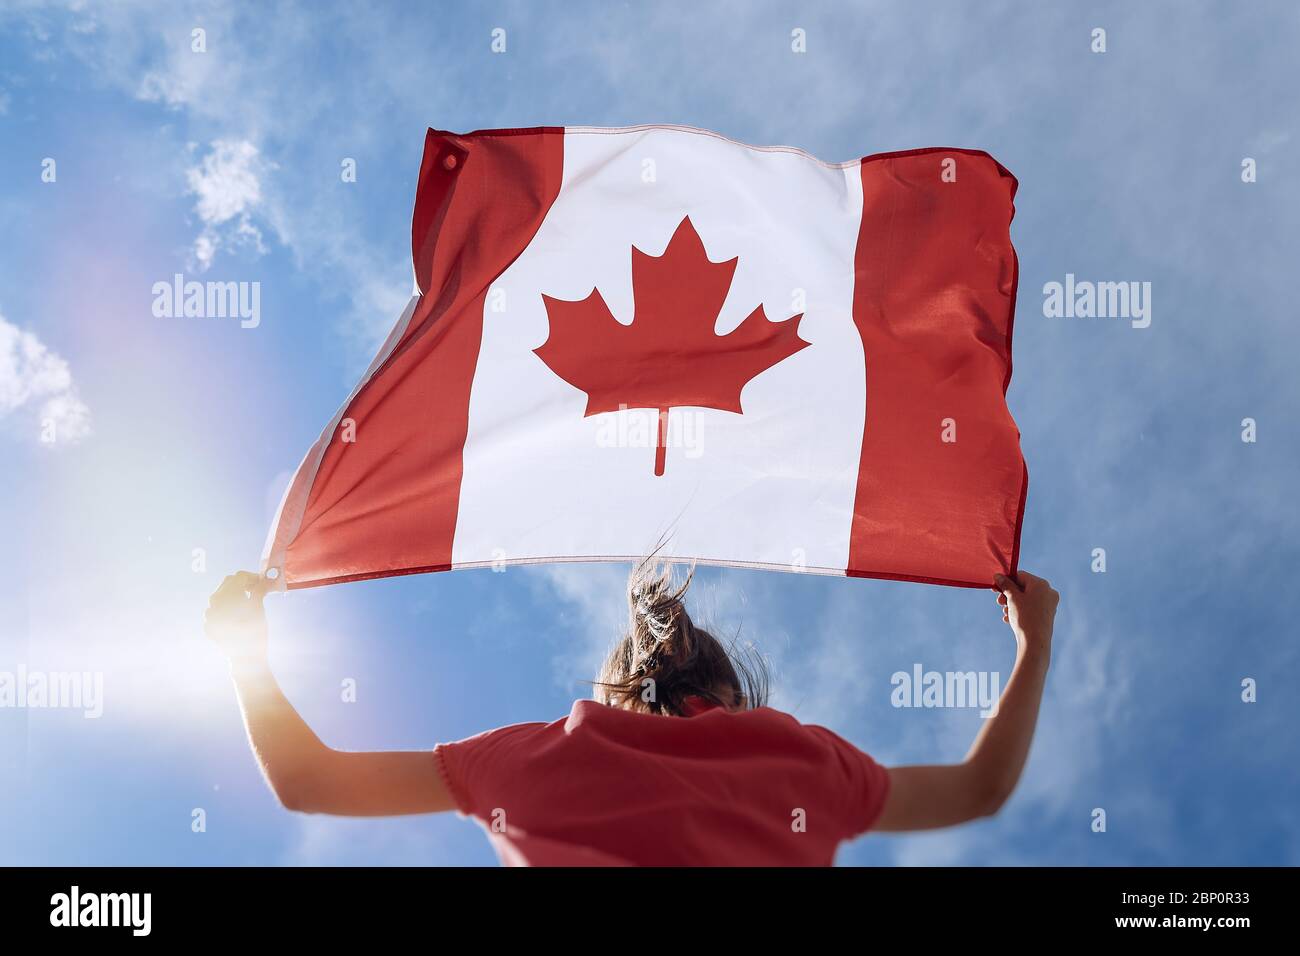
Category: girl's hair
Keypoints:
(664, 658)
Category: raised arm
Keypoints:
(925, 798)
(303, 772)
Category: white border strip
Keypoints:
(633, 558)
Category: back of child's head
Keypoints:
(665, 658)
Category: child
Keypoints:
(677, 760)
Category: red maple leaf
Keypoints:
(669, 356)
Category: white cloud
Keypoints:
(1088, 701)
(32, 378)
(597, 594)
(234, 94)
(228, 186)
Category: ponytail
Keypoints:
(664, 658)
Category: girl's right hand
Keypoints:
(1029, 607)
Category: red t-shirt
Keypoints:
(607, 786)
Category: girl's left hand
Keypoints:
(235, 620)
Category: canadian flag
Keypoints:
(627, 338)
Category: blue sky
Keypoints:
(178, 434)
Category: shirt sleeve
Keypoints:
(478, 770)
(866, 783)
